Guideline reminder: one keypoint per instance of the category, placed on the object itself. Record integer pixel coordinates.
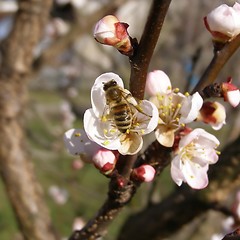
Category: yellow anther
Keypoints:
(169, 88)
(128, 131)
(179, 105)
(142, 131)
(161, 107)
(187, 94)
(176, 90)
(105, 143)
(182, 125)
(112, 130)
(103, 119)
(170, 98)
(160, 97)
(218, 152)
(105, 131)
(77, 134)
(177, 119)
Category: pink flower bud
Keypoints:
(212, 113)
(110, 31)
(105, 160)
(231, 93)
(144, 173)
(158, 82)
(223, 22)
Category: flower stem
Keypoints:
(218, 61)
(143, 53)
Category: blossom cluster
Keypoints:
(117, 121)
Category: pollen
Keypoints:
(107, 142)
(142, 131)
(187, 94)
(176, 90)
(103, 118)
(77, 134)
(179, 105)
(105, 131)
(218, 152)
(128, 131)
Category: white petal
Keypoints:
(176, 172)
(158, 82)
(77, 143)
(224, 19)
(98, 99)
(95, 130)
(200, 135)
(190, 108)
(147, 124)
(130, 144)
(233, 97)
(165, 136)
(196, 176)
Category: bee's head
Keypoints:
(107, 85)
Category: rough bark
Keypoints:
(16, 168)
(161, 220)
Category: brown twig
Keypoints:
(143, 54)
(218, 61)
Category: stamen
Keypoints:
(103, 118)
(77, 134)
(105, 143)
(176, 90)
(187, 94)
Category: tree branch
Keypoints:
(219, 59)
(17, 172)
(162, 220)
(143, 54)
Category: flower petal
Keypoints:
(158, 82)
(98, 99)
(200, 134)
(77, 143)
(146, 124)
(165, 136)
(95, 130)
(176, 172)
(130, 144)
(190, 108)
(196, 177)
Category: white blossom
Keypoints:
(191, 162)
(175, 109)
(101, 127)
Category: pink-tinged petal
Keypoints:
(233, 97)
(165, 136)
(147, 117)
(176, 172)
(130, 144)
(144, 173)
(190, 108)
(158, 82)
(195, 176)
(105, 28)
(98, 99)
(95, 130)
(197, 134)
(225, 20)
(77, 143)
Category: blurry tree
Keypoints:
(51, 44)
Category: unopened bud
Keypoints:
(224, 22)
(110, 31)
(105, 160)
(144, 173)
(212, 113)
(231, 93)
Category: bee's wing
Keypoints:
(134, 102)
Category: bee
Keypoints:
(122, 105)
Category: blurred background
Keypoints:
(67, 62)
